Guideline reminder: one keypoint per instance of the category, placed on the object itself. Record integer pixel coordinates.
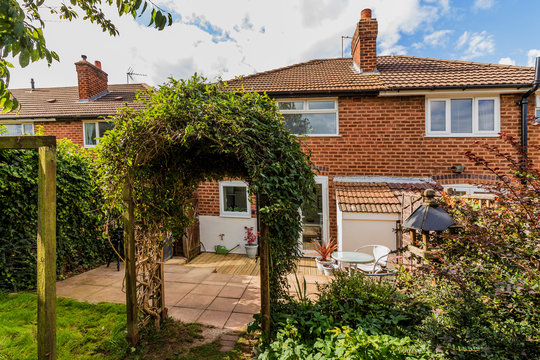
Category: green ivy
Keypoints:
(80, 241)
(189, 132)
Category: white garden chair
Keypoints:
(380, 265)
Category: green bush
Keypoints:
(79, 230)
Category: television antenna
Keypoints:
(130, 73)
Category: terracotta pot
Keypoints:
(251, 250)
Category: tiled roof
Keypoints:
(395, 72)
(39, 104)
(367, 198)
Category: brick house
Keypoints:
(380, 129)
(74, 112)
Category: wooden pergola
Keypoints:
(46, 237)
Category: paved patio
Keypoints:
(192, 294)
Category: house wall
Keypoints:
(360, 229)
(72, 130)
(385, 136)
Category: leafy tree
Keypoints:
(22, 30)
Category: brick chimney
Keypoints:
(92, 81)
(364, 42)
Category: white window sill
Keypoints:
(461, 135)
(318, 135)
(237, 216)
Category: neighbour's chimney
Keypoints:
(32, 84)
(92, 80)
(364, 42)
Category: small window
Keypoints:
(95, 130)
(465, 189)
(462, 117)
(234, 199)
(18, 129)
(315, 117)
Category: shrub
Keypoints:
(80, 242)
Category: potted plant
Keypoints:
(251, 242)
(324, 252)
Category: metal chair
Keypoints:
(379, 266)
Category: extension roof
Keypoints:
(39, 103)
(394, 72)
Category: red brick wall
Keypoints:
(364, 42)
(72, 130)
(91, 79)
(385, 136)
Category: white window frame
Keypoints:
(317, 111)
(22, 123)
(537, 110)
(84, 131)
(469, 189)
(235, 214)
(475, 131)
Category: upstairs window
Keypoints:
(313, 117)
(18, 129)
(94, 130)
(462, 117)
(234, 199)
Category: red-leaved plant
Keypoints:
(251, 236)
(325, 249)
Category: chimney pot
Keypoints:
(84, 57)
(32, 84)
(365, 14)
(98, 64)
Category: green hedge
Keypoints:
(80, 240)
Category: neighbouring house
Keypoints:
(380, 130)
(74, 112)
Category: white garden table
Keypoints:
(352, 257)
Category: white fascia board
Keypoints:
(387, 179)
(443, 92)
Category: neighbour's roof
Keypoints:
(378, 197)
(395, 72)
(39, 103)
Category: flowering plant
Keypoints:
(251, 236)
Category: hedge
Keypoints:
(80, 240)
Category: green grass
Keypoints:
(87, 331)
(84, 331)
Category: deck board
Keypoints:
(239, 264)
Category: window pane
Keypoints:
(311, 123)
(291, 105)
(538, 114)
(438, 115)
(486, 115)
(317, 105)
(14, 130)
(461, 116)
(235, 199)
(90, 133)
(29, 129)
(103, 127)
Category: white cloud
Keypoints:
(220, 38)
(507, 61)
(484, 4)
(437, 38)
(532, 55)
(475, 44)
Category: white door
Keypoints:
(315, 218)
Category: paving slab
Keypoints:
(196, 301)
(218, 279)
(187, 315)
(238, 321)
(233, 291)
(223, 304)
(174, 292)
(214, 318)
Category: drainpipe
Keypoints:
(524, 102)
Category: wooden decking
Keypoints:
(238, 264)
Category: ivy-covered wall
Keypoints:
(80, 240)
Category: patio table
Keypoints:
(352, 257)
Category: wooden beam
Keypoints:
(265, 279)
(27, 142)
(46, 253)
(131, 272)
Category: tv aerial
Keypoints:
(130, 73)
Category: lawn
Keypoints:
(87, 331)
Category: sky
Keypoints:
(225, 39)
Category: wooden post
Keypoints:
(265, 279)
(412, 234)
(46, 253)
(425, 236)
(131, 272)
(162, 287)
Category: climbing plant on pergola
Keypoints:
(189, 132)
